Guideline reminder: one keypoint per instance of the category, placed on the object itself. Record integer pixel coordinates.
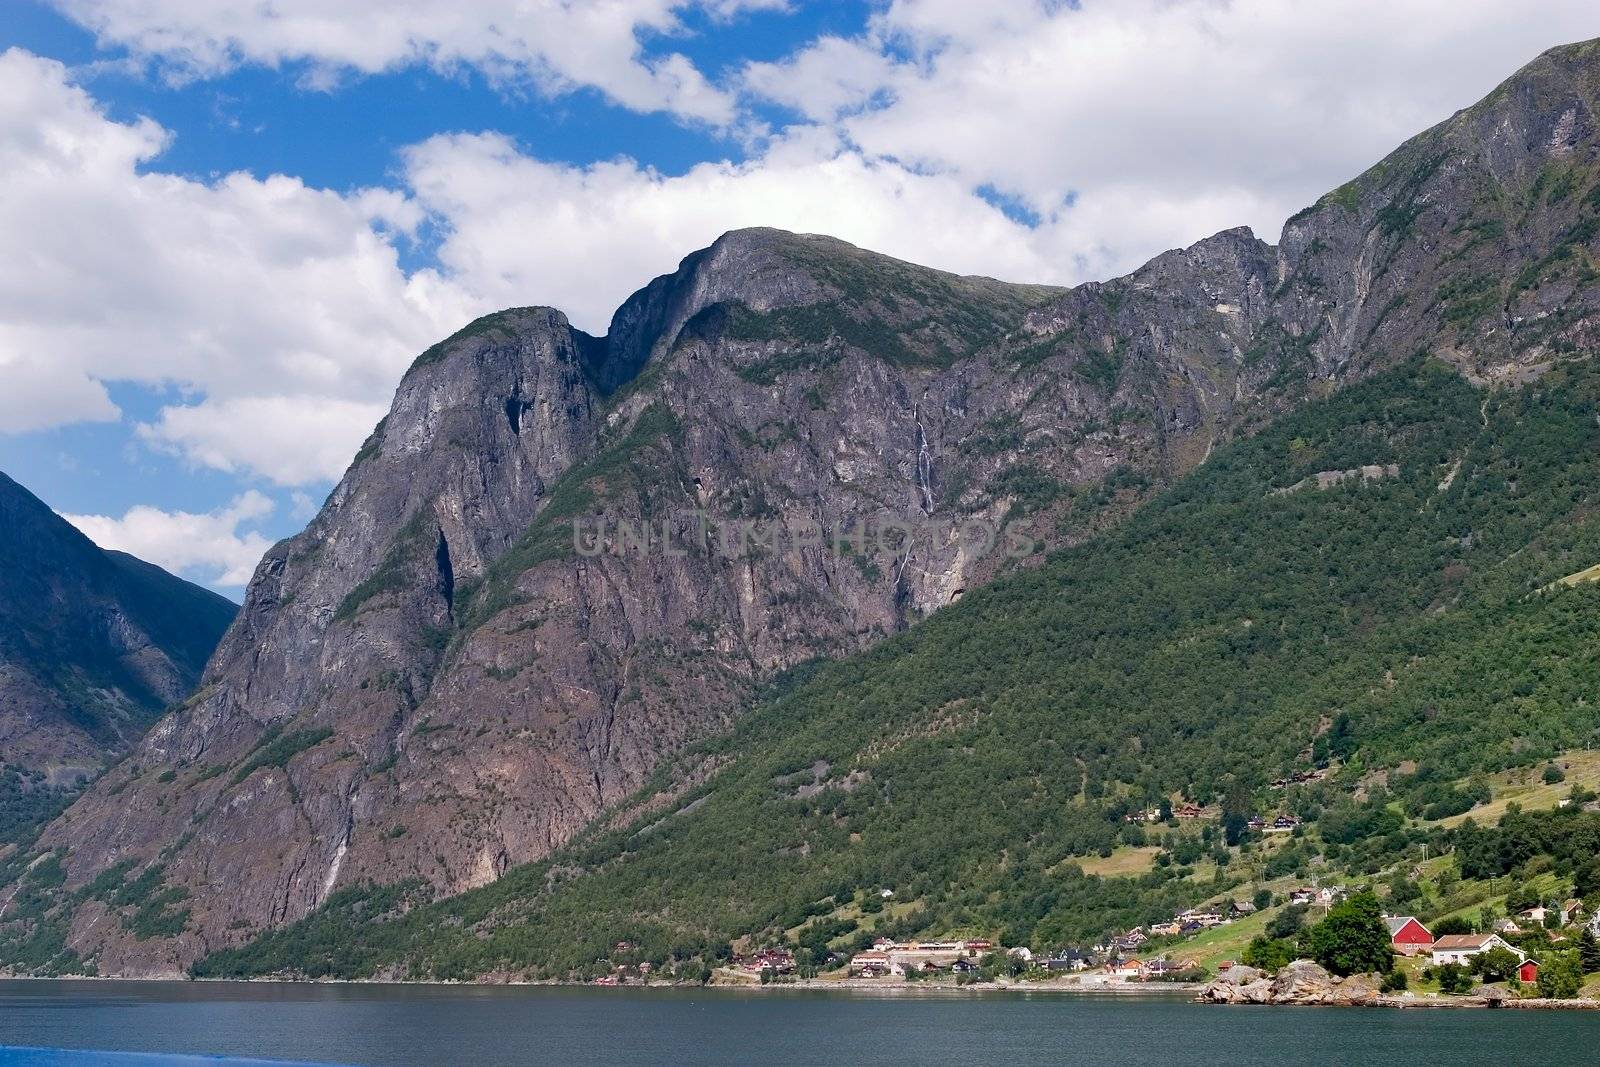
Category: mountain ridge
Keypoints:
(94, 645)
(432, 683)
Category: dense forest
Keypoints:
(1404, 629)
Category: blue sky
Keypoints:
(236, 223)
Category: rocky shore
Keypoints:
(1300, 982)
(1306, 982)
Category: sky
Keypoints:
(228, 227)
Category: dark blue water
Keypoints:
(405, 1026)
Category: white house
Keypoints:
(1460, 948)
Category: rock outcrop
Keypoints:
(1299, 982)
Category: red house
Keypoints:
(1528, 971)
(1407, 935)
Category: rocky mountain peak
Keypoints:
(437, 679)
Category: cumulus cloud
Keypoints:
(1025, 140)
(237, 289)
(292, 440)
(1147, 124)
(554, 45)
(207, 547)
(583, 238)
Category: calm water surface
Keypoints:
(407, 1026)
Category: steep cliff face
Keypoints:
(93, 646)
(560, 558)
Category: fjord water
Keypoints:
(411, 1026)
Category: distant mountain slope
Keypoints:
(1227, 634)
(93, 646)
(433, 684)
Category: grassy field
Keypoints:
(1524, 786)
(1592, 574)
(1126, 861)
(1211, 947)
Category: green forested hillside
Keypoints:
(1223, 636)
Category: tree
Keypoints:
(1237, 807)
(1553, 774)
(1560, 976)
(1589, 951)
(1453, 924)
(1353, 939)
(1452, 978)
(1287, 922)
(1262, 900)
(1394, 982)
(1521, 898)
(1268, 953)
(1496, 965)
(1586, 879)
(1403, 890)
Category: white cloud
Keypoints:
(583, 238)
(285, 317)
(1146, 124)
(38, 395)
(291, 440)
(554, 45)
(236, 290)
(207, 547)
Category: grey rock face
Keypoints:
(434, 682)
(93, 644)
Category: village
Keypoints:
(1126, 958)
(1443, 932)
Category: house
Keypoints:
(776, 960)
(1021, 952)
(1130, 940)
(1205, 919)
(1571, 911)
(1283, 824)
(1127, 970)
(1299, 777)
(1171, 929)
(963, 967)
(1460, 948)
(1407, 935)
(1069, 960)
(1535, 915)
(872, 964)
(1302, 896)
(1330, 895)
(977, 944)
(1528, 971)
(1506, 926)
(1188, 811)
(1242, 907)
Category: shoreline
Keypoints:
(1131, 990)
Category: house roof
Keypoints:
(1400, 922)
(1456, 942)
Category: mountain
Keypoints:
(94, 645)
(441, 679)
